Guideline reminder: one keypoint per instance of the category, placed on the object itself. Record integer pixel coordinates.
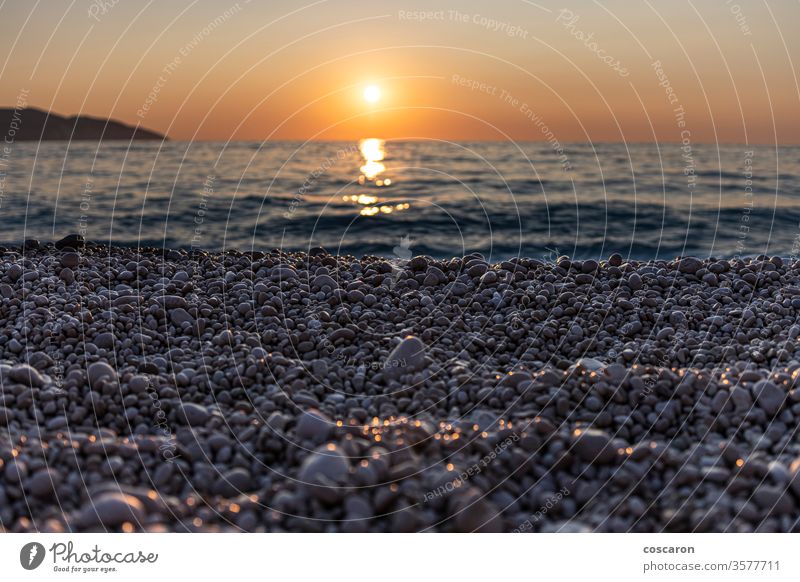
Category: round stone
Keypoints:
(112, 510)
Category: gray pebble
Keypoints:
(193, 414)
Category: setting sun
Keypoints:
(372, 93)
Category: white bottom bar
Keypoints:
(391, 557)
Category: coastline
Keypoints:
(290, 391)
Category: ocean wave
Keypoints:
(448, 198)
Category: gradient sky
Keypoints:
(279, 70)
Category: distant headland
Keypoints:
(31, 124)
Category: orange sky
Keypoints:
(448, 70)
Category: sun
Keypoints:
(372, 93)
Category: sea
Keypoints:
(395, 198)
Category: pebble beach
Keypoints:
(148, 389)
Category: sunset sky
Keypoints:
(463, 70)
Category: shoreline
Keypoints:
(290, 391)
(182, 251)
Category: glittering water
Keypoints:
(430, 197)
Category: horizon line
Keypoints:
(425, 139)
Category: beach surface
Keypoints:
(174, 390)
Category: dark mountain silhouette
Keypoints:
(32, 124)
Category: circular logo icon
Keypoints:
(31, 555)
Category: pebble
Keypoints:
(98, 371)
(111, 510)
(477, 270)
(408, 356)
(192, 414)
(690, 265)
(768, 396)
(324, 281)
(172, 302)
(43, 483)
(73, 241)
(179, 316)
(139, 384)
(741, 399)
(104, 340)
(6, 416)
(593, 446)
(474, 513)
(589, 364)
(318, 392)
(15, 471)
(233, 482)
(25, 374)
(313, 425)
(70, 260)
(665, 333)
(323, 471)
(67, 275)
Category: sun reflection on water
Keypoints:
(364, 199)
(372, 149)
(373, 152)
(384, 209)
